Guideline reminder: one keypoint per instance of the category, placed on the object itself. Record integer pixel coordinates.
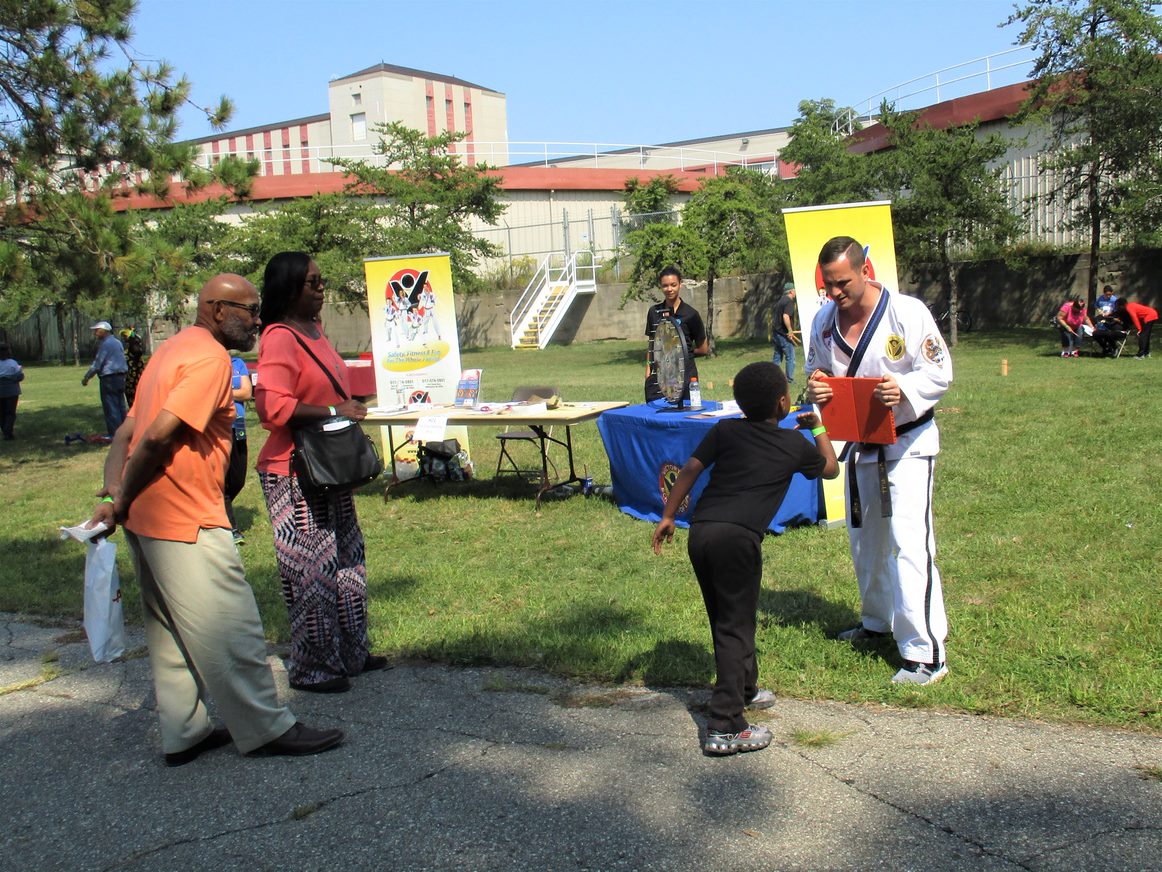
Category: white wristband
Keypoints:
(331, 409)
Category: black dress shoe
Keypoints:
(373, 662)
(331, 685)
(218, 737)
(299, 741)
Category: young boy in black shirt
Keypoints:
(754, 460)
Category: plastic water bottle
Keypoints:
(695, 394)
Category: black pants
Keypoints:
(235, 473)
(1144, 338)
(728, 561)
(8, 415)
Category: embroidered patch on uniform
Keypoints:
(667, 475)
(933, 349)
(895, 347)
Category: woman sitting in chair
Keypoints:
(1072, 321)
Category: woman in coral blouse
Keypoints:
(317, 539)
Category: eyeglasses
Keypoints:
(315, 282)
(252, 308)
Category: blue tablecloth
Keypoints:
(647, 446)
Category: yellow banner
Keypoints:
(807, 231)
(414, 342)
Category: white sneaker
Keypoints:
(762, 699)
(753, 738)
(860, 633)
(920, 673)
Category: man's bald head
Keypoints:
(228, 308)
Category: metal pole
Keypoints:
(565, 230)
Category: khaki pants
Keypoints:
(205, 637)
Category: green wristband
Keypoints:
(107, 499)
(818, 431)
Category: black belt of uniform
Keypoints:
(882, 467)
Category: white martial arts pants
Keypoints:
(895, 558)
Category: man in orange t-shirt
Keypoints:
(164, 480)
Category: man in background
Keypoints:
(783, 331)
(110, 367)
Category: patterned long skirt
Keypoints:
(319, 548)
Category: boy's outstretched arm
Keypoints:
(810, 421)
(689, 473)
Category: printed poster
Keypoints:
(414, 342)
(807, 230)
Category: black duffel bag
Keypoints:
(333, 456)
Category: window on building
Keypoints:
(359, 126)
(357, 99)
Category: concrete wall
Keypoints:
(995, 293)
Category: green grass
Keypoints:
(1046, 514)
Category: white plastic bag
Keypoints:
(104, 622)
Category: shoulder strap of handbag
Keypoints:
(335, 382)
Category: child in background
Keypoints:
(754, 460)
(243, 390)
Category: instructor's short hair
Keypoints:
(839, 247)
(757, 389)
(670, 271)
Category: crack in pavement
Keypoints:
(1073, 843)
(318, 805)
(883, 800)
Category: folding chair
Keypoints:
(535, 435)
(1122, 344)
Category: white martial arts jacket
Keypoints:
(900, 338)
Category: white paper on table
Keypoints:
(534, 408)
(430, 428)
(83, 533)
(384, 410)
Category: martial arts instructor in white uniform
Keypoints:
(865, 330)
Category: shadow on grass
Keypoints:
(41, 432)
(575, 641)
(798, 608)
(670, 662)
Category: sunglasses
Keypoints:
(315, 282)
(252, 308)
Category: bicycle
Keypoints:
(963, 318)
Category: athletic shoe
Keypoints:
(1065, 354)
(860, 633)
(1141, 356)
(753, 738)
(239, 539)
(762, 699)
(1074, 353)
(920, 673)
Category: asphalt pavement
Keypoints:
(509, 769)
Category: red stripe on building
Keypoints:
(249, 146)
(430, 94)
(267, 154)
(304, 142)
(214, 148)
(450, 115)
(468, 142)
(286, 161)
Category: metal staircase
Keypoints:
(543, 305)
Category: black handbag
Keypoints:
(334, 455)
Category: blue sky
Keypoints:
(593, 71)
